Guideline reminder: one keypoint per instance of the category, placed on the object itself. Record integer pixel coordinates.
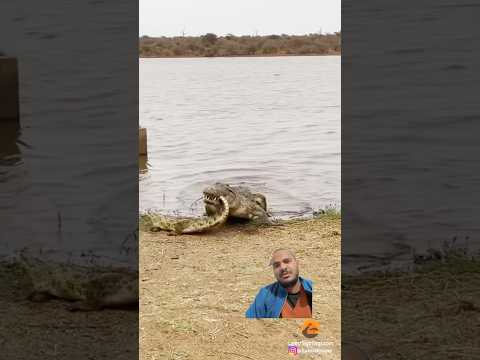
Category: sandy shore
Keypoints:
(194, 291)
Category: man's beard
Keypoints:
(289, 283)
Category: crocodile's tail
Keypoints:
(208, 222)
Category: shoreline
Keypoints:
(212, 45)
(235, 56)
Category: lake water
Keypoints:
(66, 184)
(411, 182)
(272, 123)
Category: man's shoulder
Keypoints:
(266, 302)
(270, 287)
(307, 284)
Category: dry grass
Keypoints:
(432, 313)
(195, 289)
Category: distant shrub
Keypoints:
(308, 50)
(250, 49)
(296, 43)
(209, 39)
(211, 52)
(269, 47)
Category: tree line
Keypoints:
(210, 45)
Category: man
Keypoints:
(289, 297)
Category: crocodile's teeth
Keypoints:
(210, 197)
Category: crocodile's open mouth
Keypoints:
(211, 199)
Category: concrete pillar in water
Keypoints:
(142, 142)
(142, 164)
(9, 94)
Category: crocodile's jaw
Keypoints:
(252, 212)
(213, 204)
(206, 223)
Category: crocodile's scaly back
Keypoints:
(66, 281)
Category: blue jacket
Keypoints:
(270, 299)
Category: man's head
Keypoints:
(285, 267)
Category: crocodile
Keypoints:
(243, 203)
(222, 202)
(87, 288)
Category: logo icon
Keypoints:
(310, 328)
(292, 350)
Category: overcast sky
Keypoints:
(239, 17)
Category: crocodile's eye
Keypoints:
(261, 201)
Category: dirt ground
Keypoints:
(433, 313)
(48, 331)
(195, 289)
